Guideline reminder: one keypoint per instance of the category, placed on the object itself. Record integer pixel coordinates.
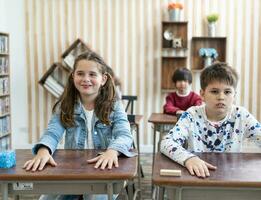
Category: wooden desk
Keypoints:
(72, 175)
(238, 176)
(160, 120)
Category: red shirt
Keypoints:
(175, 102)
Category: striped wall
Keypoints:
(127, 33)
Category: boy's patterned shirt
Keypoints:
(200, 135)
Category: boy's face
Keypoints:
(218, 97)
(182, 86)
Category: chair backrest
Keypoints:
(130, 103)
(130, 106)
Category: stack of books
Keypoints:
(4, 125)
(53, 86)
(3, 44)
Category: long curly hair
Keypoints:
(104, 102)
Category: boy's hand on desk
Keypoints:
(108, 158)
(199, 167)
(39, 161)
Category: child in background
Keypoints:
(182, 99)
(90, 117)
(216, 126)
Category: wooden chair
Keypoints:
(130, 106)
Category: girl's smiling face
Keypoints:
(219, 98)
(88, 79)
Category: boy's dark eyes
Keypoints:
(214, 91)
(228, 92)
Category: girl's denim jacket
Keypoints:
(115, 136)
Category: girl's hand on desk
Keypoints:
(199, 167)
(39, 161)
(108, 158)
(179, 112)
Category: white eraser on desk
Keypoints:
(170, 172)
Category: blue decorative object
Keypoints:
(208, 52)
(7, 159)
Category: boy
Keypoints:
(182, 99)
(216, 126)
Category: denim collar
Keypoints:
(78, 110)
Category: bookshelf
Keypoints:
(54, 79)
(77, 47)
(5, 114)
(174, 50)
(218, 43)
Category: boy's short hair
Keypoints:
(218, 71)
(182, 74)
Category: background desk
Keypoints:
(160, 120)
(72, 175)
(238, 176)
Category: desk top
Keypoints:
(233, 170)
(160, 118)
(138, 118)
(72, 165)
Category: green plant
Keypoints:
(212, 17)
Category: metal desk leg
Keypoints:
(154, 149)
(109, 191)
(139, 169)
(155, 193)
(154, 144)
(4, 190)
(130, 191)
(161, 193)
(139, 166)
(178, 195)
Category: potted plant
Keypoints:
(208, 54)
(212, 19)
(174, 11)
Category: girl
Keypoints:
(89, 115)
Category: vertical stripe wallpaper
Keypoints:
(127, 34)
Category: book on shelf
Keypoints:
(4, 143)
(69, 61)
(4, 86)
(3, 44)
(4, 105)
(54, 79)
(3, 65)
(4, 125)
(53, 86)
